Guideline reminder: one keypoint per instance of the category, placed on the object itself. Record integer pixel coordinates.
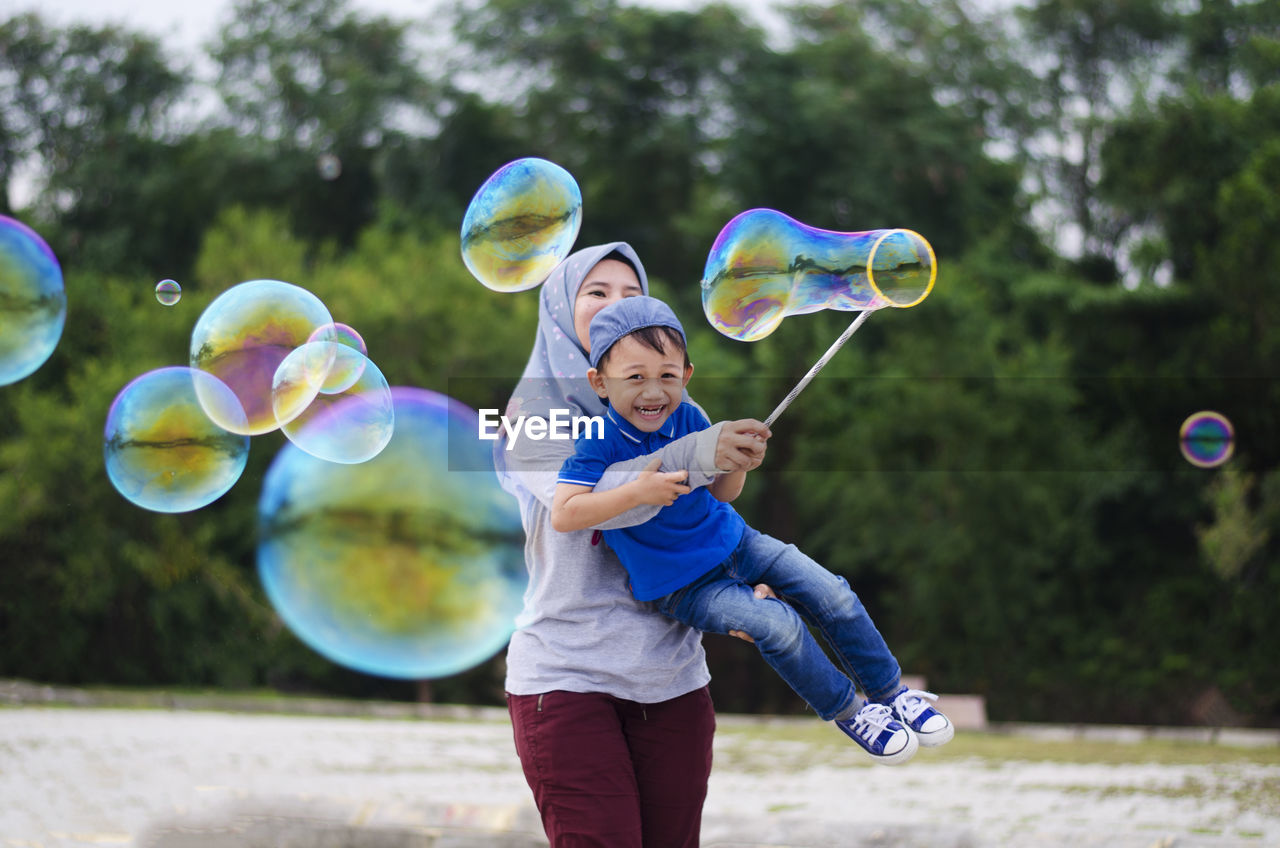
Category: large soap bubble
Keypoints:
(520, 224)
(1207, 439)
(410, 565)
(351, 424)
(33, 302)
(765, 265)
(163, 452)
(242, 337)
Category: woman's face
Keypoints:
(608, 281)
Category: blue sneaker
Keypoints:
(913, 708)
(880, 735)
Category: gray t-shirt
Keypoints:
(581, 630)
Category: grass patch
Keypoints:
(815, 742)
(1261, 795)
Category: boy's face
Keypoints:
(608, 281)
(643, 385)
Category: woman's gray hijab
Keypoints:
(556, 375)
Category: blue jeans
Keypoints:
(723, 599)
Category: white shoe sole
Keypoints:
(900, 757)
(937, 737)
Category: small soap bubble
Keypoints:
(521, 223)
(328, 166)
(401, 566)
(168, 292)
(244, 335)
(343, 372)
(349, 426)
(33, 302)
(1207, 439)
(765, 265)
(163, 452)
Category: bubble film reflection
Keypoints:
(765, 265)
(349, 426)
(520, 224)
(33, 302)
(162, 450)
(168, 292)
(1207, 439)
(398, 566)
(244, 335)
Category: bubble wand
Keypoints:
(817, 366)
(765, 265)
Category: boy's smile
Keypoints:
(643, 385)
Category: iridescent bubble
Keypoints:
(344, 373)
(1207, 439)
(162, 450)
(349, 426)
(328, 166)
(521, 223)
(33, 302)
(410, 565)
(244, 335)
(765, 265)
(168, 292)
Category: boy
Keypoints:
(698, 560)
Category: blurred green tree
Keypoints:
(322, 90)
(629, 99)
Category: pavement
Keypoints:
(197, 773)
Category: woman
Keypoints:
(608, 700)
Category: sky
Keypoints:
(191, 23)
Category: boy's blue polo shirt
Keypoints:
(683, 541)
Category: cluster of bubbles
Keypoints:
(409, 565)
(1206, 439)
(33, 302)
(374, 549)
(265, 355)
(521, 223)
(765, 265)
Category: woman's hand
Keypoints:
(763, 590)
(741, 445)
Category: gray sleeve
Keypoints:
(536, 465)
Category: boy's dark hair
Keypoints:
(656, 338)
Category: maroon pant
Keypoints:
(611, 773)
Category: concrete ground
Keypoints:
(153, 778)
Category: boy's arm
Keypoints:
(535, 464)
(577, 507)
(727, 487)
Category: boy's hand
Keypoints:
(660, 488)
(741, 445)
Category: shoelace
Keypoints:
(872, 720)
(911, 703)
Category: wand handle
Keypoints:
(817, 366)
